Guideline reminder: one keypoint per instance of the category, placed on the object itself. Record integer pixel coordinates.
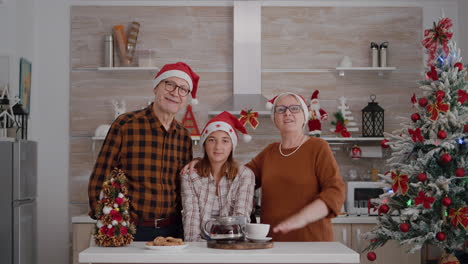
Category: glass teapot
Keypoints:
(225, 228)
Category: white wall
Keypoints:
(49, 125)
(16, 29)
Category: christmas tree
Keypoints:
(429, 158)
(113, 227)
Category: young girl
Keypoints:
(219, 187)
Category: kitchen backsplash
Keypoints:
(292, 38)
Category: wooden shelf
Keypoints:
(299, 70)
(340, 70)
(352, 139)
(379, 70)
(128, 69)
(149, 69)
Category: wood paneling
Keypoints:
(318, 37)
(292, 38)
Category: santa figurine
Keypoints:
(317, 115)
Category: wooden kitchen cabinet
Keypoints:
(342, 234)
(81, 238)
(351, 236)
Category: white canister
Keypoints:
(374, 54)
(108, 51)
(383, 54)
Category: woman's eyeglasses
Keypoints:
(171, 86)
(281, 109)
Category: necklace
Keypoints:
(287, 155)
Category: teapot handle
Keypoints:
(203, 229)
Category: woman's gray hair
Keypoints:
(299, 98)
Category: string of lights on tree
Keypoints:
(429, 159)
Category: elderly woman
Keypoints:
(301, 185)
(220, 187)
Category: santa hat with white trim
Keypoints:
(228, 123)
(272, 103)
(182, 71)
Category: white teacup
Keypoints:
(257, 231)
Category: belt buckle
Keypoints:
(156, 222)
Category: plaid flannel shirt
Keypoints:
(198, 194)
(151, 157)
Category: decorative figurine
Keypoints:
(317, 114)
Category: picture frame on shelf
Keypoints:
(25, 84)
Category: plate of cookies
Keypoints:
(166, 244)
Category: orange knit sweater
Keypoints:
(290, 183)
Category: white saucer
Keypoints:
(263, 239)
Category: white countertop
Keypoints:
(197, 252)
(85, 219)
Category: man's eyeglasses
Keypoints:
(171, 86)
(281, 109)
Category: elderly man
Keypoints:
(151, 147)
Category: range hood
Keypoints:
(237, 102)
(247, 74)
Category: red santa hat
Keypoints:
(228, 123)
(314, 95)
(182, 71)
(272, 103)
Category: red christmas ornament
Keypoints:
(384, 208)
(440, 94)
(445, 158)
(441, 134)
(465, 128)
(422, 101)
(446, 201)
(371, 256)
(460, 172)
(384, 144)
(432, 74)
(404, 227)
(356, 152)
(459, 65)
(415, 117)
(422, 177)
(440, 236)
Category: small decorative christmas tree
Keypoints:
(113, 227)
(343, 117)
(430, 159)
(190, 123)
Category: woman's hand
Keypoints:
(311, 213)
(292, 223)
(190, 167)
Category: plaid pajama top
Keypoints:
(151, 157)
(199, 193)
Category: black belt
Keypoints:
(158, 223)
